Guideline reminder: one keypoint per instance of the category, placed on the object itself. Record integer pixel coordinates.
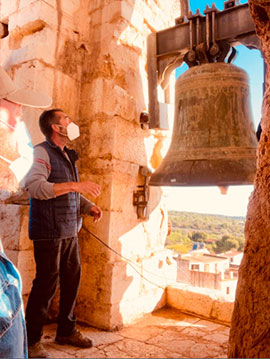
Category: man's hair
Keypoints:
(46, 119)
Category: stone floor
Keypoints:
(166, 333)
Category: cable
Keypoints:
(130, 262)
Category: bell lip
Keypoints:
(197, 184)
(203, 179)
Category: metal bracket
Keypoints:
(141, 197)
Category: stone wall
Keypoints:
(206, 303)
(90, 56)
(249, 335)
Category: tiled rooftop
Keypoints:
(166, 333)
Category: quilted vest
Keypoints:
(56, 218)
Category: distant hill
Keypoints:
(218, 232)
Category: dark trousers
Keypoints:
(56, 260)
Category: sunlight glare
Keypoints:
(208, 200)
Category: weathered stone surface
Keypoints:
(249, 335)
(156, 335)
(36, 46)
(21, 21)
(14, 227)
(24, 261)
(200, 301)
(7, 8)
(104, 96)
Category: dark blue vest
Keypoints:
(56, 218)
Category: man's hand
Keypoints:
(96, 212)
(88, 187)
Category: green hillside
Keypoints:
(219, 233)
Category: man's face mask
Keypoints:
(73, 131)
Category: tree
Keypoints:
(198, 236)
(226, 243)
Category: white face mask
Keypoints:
(73, 131)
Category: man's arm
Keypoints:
(90, 208)
(85, 205)
(81, 187)
(36, 182)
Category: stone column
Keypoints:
(249, 335)
(113, 94)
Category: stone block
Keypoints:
(122, 67)
(67, 94)
(97, 138)
(95, 5)
(14, 227)
(154, 18)
(157, 225)
(104, 96)
(70, 7)
(134, 237)
(210, 304)
(95, 256)
(5, 53)
(126, 281)
(95, 314)
(136, 308)
(113, 316)
(39, 45)
(36, 76)
(96, 279)
(7, 8)
(161, 15)
(132, 12)
(127, 235)
(25, 3)
(103, 179)
(189, 301)
(21, 22)
(25, 263)
(132, 38)
(114, 141)
(130, 144)
(122, 201)
(222, 311)
(31, 19)
(140, 279)
(116, 11)
(159, 269)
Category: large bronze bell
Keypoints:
(213, 140)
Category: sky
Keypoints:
(209, 199)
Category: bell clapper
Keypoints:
(223, 189)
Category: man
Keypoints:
(54, 222)
(13, 341)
